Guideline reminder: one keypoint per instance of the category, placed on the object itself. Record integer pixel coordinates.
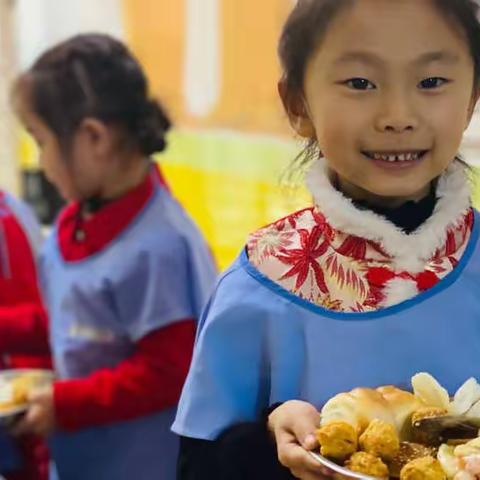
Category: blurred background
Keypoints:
(213, 64)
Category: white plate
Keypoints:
(332, 469)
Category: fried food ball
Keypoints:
(338, 440)
(408, 451)
(425, 468)
(428, 412)
(368, 464)
(380, 439)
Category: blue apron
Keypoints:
(157, 271)
(258, 344)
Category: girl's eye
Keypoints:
(360, 84)
(433, 82)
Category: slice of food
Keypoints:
(470, 448)
(429, 391)
(447, 460)
(338, 440)
(474, 411)
(426, 468)
(467, 395)
(380, 439)
(368, 464)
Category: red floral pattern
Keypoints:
(305, 259)
(341, 272)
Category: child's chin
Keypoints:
(70, 196)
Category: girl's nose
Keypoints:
(397, 114)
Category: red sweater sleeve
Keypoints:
(151, 379)
(24, 329)
(23, 320)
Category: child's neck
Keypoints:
(128, 175)
(359, 194)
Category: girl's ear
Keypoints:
(294, 105)
(473, 104)
(96, 134)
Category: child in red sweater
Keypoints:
(23, 338)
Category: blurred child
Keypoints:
(23, 338)
(125, 272)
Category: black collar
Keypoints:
(408, 216)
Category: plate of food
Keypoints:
(388, 432)
(15, 388)
(335, 470)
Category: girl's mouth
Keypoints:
(405, 156)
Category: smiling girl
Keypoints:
(376, 281)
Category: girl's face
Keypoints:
(50, 155)
(388, 95)
(77, 177)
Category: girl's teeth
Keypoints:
(402, 157)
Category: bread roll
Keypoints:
(362, 405)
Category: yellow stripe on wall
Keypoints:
(227, 207)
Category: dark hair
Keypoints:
(94, 75)
(307, 25)
(309, 21)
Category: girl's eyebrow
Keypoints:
(358, 56)
(370, 58)
(441, 56)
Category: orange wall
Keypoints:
(155, 32)
(248, 36)
(249, 98)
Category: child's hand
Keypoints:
(40, 416)
(293, 425)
